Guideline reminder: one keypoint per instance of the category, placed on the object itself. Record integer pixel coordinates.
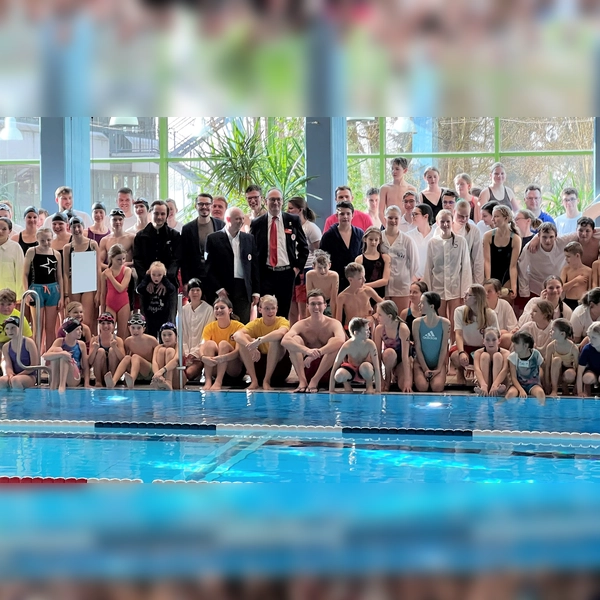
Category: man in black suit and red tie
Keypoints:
(231, 264)
(282, 250)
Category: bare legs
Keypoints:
(390, 361)
(427, 384)
(365, 370)
(131, 366)
(274, 355)
(232, 367)
(104, 365)
(490, 371)
(62, 373)
(568, 376)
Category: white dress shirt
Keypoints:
(282, 256)
(238, 269)
(87, 220)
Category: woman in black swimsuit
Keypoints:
(27, 238)
(432, 195)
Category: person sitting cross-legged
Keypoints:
(266, 361)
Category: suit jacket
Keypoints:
(192, 256)
(164, 245)
(219, 263)
(296, 244)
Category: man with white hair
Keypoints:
(231, 265)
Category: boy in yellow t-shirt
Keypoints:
(265, 359)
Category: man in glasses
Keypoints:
(567, 223)
(255, 204)
(193, 239)
(282, 250)
(313, 344)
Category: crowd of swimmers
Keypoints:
(443, 284)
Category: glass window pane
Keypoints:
(118, 141)
(363, 135)
(107, 178)
(426, 134)
(363, 173)
(184, 187)
(546, 133)
(477, 167)
(20, 185)
(29, 147)
(552, 174)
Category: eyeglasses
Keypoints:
(278, 200)
(252, 197)
(203, 204)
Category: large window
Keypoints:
(551, 152)
(20, 163)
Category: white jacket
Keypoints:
(421, 242)
(404, 263)
(448, 267)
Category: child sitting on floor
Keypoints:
(562, 357)
(16, 377)
(588, 371)
(165, 360)
(491, 365)
(540, 326)
(106, 349)
(137, 362)
(355, 300)
(357, 360)
(321, 278)
(68, 358)
(525, 368)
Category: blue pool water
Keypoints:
(279, 454)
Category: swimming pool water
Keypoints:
(276, 453)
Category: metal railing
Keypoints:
(38, 334)
(180, 366)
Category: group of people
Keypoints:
(420, 285)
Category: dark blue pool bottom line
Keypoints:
(152, 425)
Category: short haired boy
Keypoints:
(576, 276)
(391, 194)
(265, 359)
(321, 277)
(357, 360)
(137, 362)
(355, 300)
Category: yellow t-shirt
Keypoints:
(213, 332)
(257, 328)
(26, 328)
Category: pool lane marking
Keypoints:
(201, 466)
(236, 458)
(555, 435)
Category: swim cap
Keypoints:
(30, 209)
(137, 319)
(194, 283)
(98, 206)
(75, 221)
(170, 326)
(70, 325)
(106, 318)
(12, 321)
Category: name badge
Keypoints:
(288, 231)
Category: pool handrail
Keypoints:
(180, 366)
(38, 334)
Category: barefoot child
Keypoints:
(165, 360)
(357, 360)
(525, 368)
(114, 284)
(355, 300)
(68, 358)
(588, 371)
(392, 340)
(16, 377)
(562, 357)
(391, 194)
(491, 365)
(576, 276)
(106, 349)
(322, 278)
(137, 362)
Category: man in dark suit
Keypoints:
(282, 250)
(193, 240)
(231, 265)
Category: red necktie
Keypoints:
(273, 243)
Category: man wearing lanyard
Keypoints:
(282, 250)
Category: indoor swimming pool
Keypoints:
(235, 436)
